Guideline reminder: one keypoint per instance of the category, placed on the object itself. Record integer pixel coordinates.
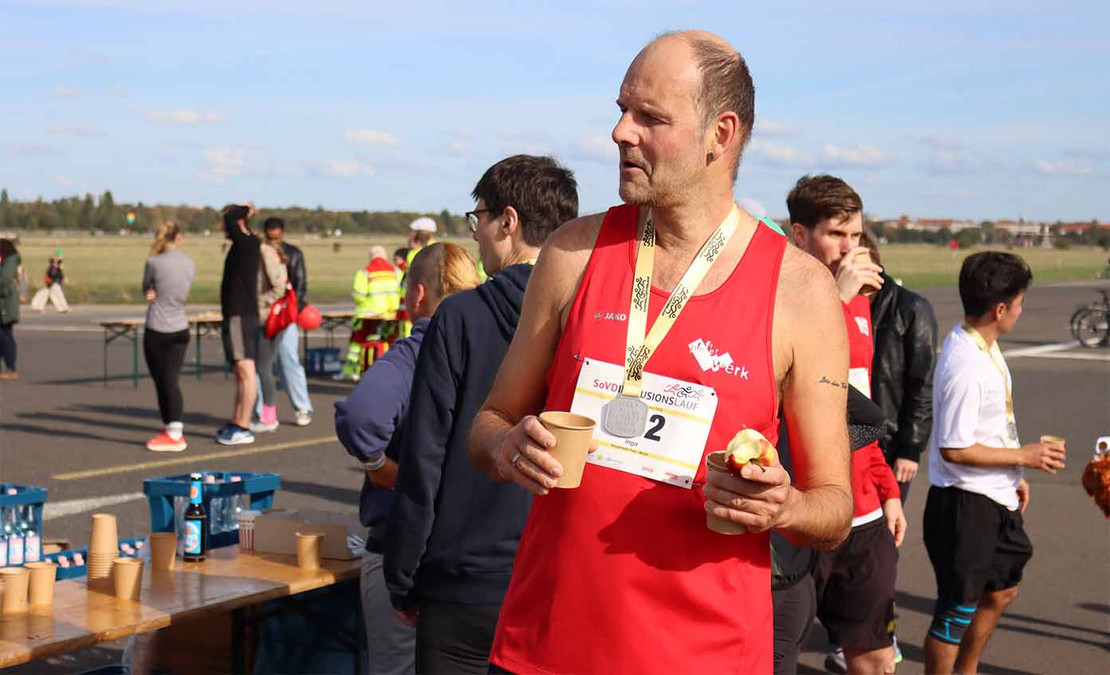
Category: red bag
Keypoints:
(283, 313)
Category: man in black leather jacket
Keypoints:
(289, 367)
(905, 332)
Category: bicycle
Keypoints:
(1090, 324)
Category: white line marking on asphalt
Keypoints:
(1040, 349)
(70, 507)
(59, 329)
(1079, 356)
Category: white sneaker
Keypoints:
(302, 418)
(258, 426)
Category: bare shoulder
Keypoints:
(564, 257)
(806, 305)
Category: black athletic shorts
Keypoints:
(975, 545)
(855, 588)
(240, 335)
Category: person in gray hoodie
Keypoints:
(452, 533)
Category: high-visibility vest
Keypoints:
(377, 292)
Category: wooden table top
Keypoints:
(204, 317)
(226, 581)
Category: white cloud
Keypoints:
(596, 147)
(190, 118)
(940, 142)
(371, 137)
(341, 168)
(63, 181)
(860, 155)
(117, 90)
(223, 163)
(773, 128)
(777, 154)
(30, 149)
(953, 161)
(1063, 167)
(80, 130)
(459, 147)
(65, 92)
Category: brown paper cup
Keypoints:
(1054, 440)
(308, 550)
(128, 576)
(15, 589)
(163, 551)
(104, 537)
(717, 461)
(573, 435)
(43, 575)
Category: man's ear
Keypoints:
(510, 221)
(420, 293)
(799, 234)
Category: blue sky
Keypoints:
(964, 109)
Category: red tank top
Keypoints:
(621, 575)
(872, 479)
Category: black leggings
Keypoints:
(267, 353)
(165, 352)
(7, 346)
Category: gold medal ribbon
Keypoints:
(638, 346)
(993, 351)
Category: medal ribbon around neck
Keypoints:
(639, 347)
(999, 363)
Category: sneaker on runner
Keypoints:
(835, 662)
(234, 434)
(302, 418)
(258, 426)
(164, 443)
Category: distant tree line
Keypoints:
(988, 234)
(105, 215)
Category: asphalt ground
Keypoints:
(62, 428)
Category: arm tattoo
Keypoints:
(825, 380)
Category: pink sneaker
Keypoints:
(269, 414)
(163, 443)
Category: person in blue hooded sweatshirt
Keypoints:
(452, 533)
(365, 423)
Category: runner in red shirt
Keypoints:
(690, 319)
(855, 582)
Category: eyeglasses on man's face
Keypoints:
(472, 219)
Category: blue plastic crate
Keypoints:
(25, 496)
(160, 492)
(81, 570)
(322, 361)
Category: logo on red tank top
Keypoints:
(863, 327)
(711, 358)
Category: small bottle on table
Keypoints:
(196, 522)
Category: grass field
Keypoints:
(108, 270)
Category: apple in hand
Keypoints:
(750, 447)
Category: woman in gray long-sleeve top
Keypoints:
(166, 281)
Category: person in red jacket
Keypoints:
(855, 583)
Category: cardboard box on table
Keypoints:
(276, 531)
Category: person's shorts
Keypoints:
(855, 589)
(975, 544)
(240, 336)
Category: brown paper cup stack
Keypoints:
(718, 461)
(43, 575)
(163, 551)
(128, 574)
(573, 435)
(103, 549)
(308, 550)
(15, 589)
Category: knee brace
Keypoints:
(949, 623)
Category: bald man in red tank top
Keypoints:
(675, 320)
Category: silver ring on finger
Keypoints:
(516, 460)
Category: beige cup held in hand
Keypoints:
(163, 551)
(1055, 440)
(43, 575)
(309, 545)
(15, 589)
(718, 461)
(573, 436)
(128, 576)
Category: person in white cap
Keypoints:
(421, 233)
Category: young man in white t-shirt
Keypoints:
(973, 518)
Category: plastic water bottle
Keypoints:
(32, 542)
(239, 503)
(215, 509)
(3, 538)
(15, 537)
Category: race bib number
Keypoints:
(860, 379)
(680, 415)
